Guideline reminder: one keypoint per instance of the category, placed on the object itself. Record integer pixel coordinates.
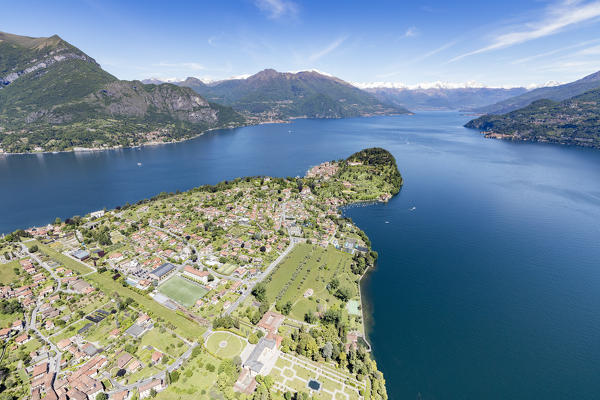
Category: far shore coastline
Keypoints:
(154, 143)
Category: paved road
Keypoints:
(264, 274)
(159, 375)
(55, 362)
(184, 240)
(31, 322)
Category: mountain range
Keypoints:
(442, 98)
(555, 93)
(55, 97)
(273, 95)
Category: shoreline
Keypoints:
(363, 278)
(389, 187)
(119, 147)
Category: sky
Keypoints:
(494, 43)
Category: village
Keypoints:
(118, 304)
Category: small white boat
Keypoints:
(139, 164)
(413, 208)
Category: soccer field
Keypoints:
(182, 291)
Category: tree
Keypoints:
(33, 249)
(253, 339)
(237, 361)
(310, 317)
(327, 350)
(284, 308)
(58, 221)
(259, 291)
(343, 293)
(333, 284)
(101, 396)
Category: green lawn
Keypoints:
(143, 373)
(164, 342)
(101, 331)
(61, 258)
(7, 319)
(196, 380)
(104, 282)
(70, 330)
(225, 344)
(310, 267)
(183, 291)
(226, 269)
(7, 273)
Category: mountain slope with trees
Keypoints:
(575, 121)
(272, 95)
(55, 97)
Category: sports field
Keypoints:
(225, 344)
(182, 290)
(104, 282)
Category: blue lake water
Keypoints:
(488, 283)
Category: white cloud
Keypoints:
(411, 32)
(420, 58)
(579, 67)
(277, 8)
(557, 18)
(330, 47)
(435, 51)
(590, 51)
(555, 51)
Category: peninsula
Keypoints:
(248, 289)
(570, 122)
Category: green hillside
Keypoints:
(281, 95)
(575, 121)
(55, 97)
